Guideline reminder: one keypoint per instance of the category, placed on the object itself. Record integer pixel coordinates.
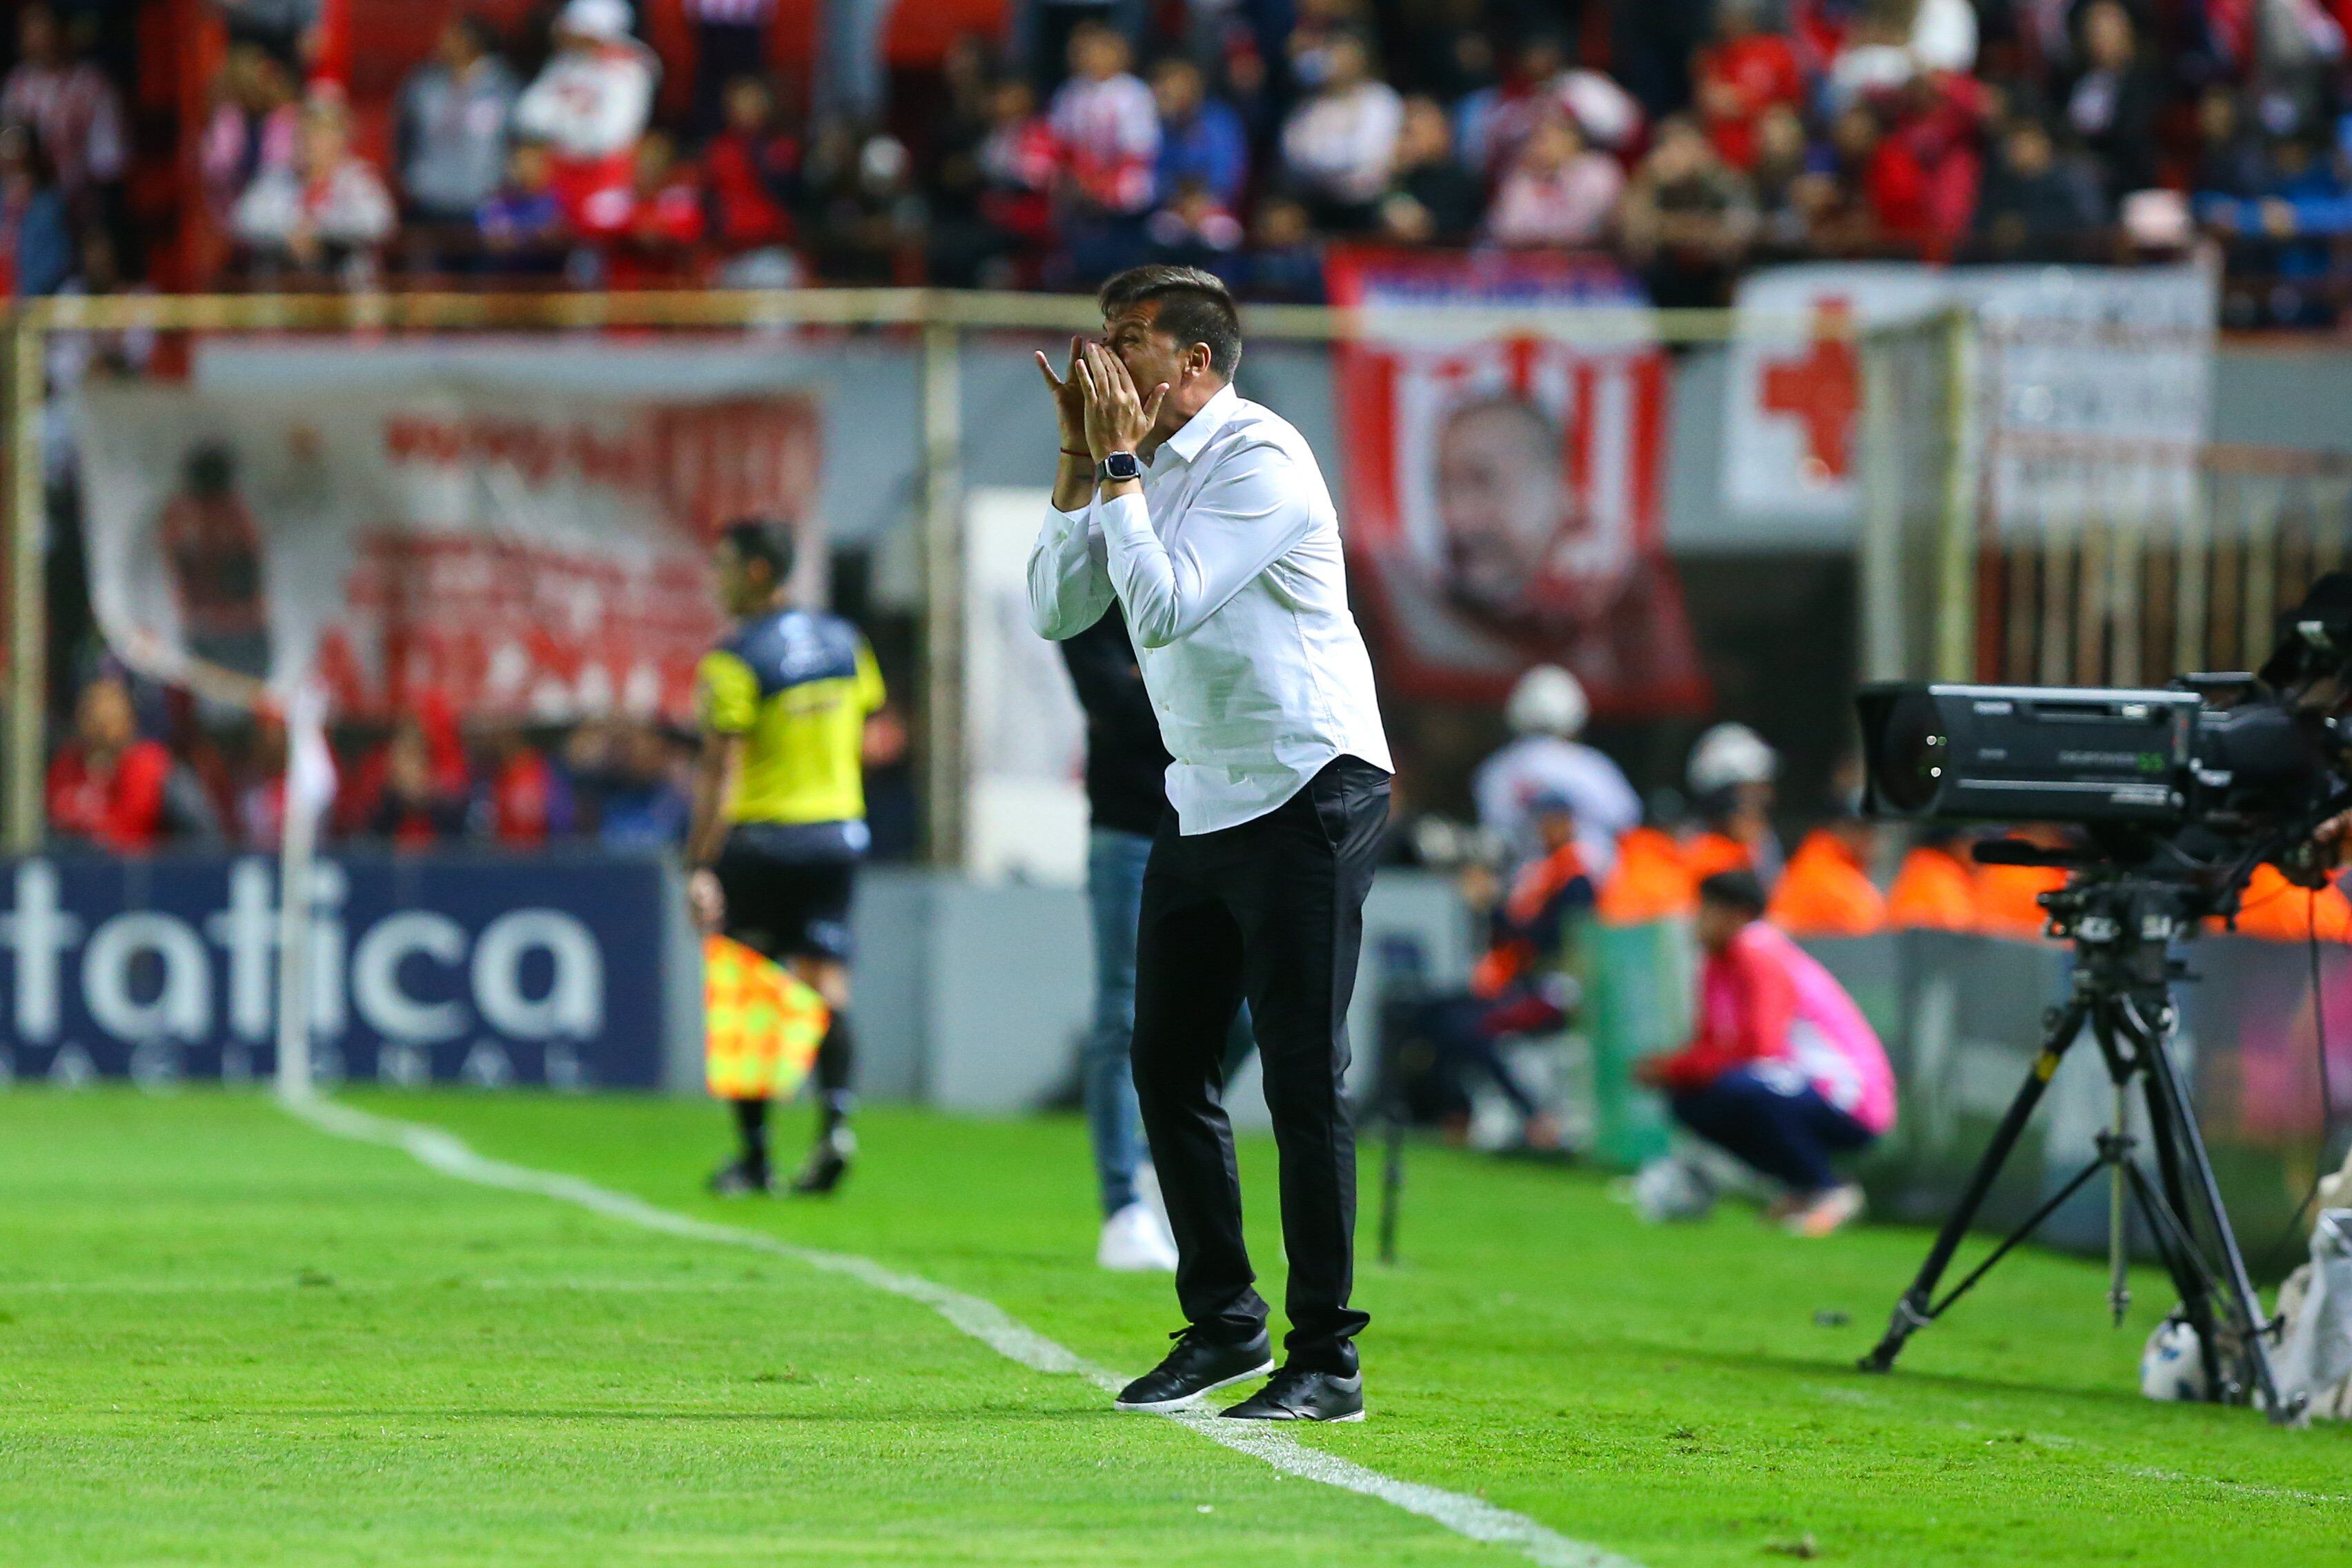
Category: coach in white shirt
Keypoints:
(1206, 517)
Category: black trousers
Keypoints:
(1270, 912)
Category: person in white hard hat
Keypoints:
(590, 105)
(1730, 774)
(1547, 711)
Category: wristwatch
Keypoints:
(1119, 466)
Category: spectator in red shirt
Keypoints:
(524, 802)
(1738, 78)
(752, 180)
(1109, 128)
(1107, 124)
(1017, 164)
(1929, 165)
(656, 247)
(105, 785)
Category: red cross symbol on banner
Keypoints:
(1822, 391)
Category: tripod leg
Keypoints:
(1912, 1312)
(2187, 1165)
(1391, 1182)
(2119, 1227)
(2177, 1235)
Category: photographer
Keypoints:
(1782, 1073)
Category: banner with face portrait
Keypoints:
(1505, 495)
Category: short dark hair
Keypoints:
(1734, 889)
(1194, 308)
(762, 539)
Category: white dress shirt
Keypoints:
(1229, 568)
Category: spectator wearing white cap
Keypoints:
(1547, 711)
(1730, 774)
(590, 106)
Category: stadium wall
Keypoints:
(580, 973)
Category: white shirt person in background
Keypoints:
(1547, 712)
(1206, 517)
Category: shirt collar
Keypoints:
(1213, 417)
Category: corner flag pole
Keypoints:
(309, 787)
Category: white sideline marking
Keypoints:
(984, 1320)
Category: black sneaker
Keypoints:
(1198, 1365)
(1296, 1394)
(741, 1179)
(828, 1162)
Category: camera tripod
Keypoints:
(2123, 927)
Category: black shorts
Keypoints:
(786, 908)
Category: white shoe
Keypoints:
(1134, 1242)
(1146, 1191)
(1826, 1212)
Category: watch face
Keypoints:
(1122, 466)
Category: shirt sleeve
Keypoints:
(871, 694)
(1069, 588)
(1250, 514)
(726, 694)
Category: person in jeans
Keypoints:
(1127, 794)
(1783, 1072)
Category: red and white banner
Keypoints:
(2092, 384)
(1506, 497)
(524, 556)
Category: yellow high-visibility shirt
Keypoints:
(797, 686)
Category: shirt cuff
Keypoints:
(1125, 518)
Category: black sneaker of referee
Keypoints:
(1198, 1365)
(1296, 1393)
(742, 1179)
(827, 1164)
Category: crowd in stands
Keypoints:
(423, 781)
(1690, 141)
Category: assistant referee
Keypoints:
(779, 822)
(1206, 517)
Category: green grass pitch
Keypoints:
(226, 1337)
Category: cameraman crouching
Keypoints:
(1782, 1071)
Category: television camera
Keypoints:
(2174, 796)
